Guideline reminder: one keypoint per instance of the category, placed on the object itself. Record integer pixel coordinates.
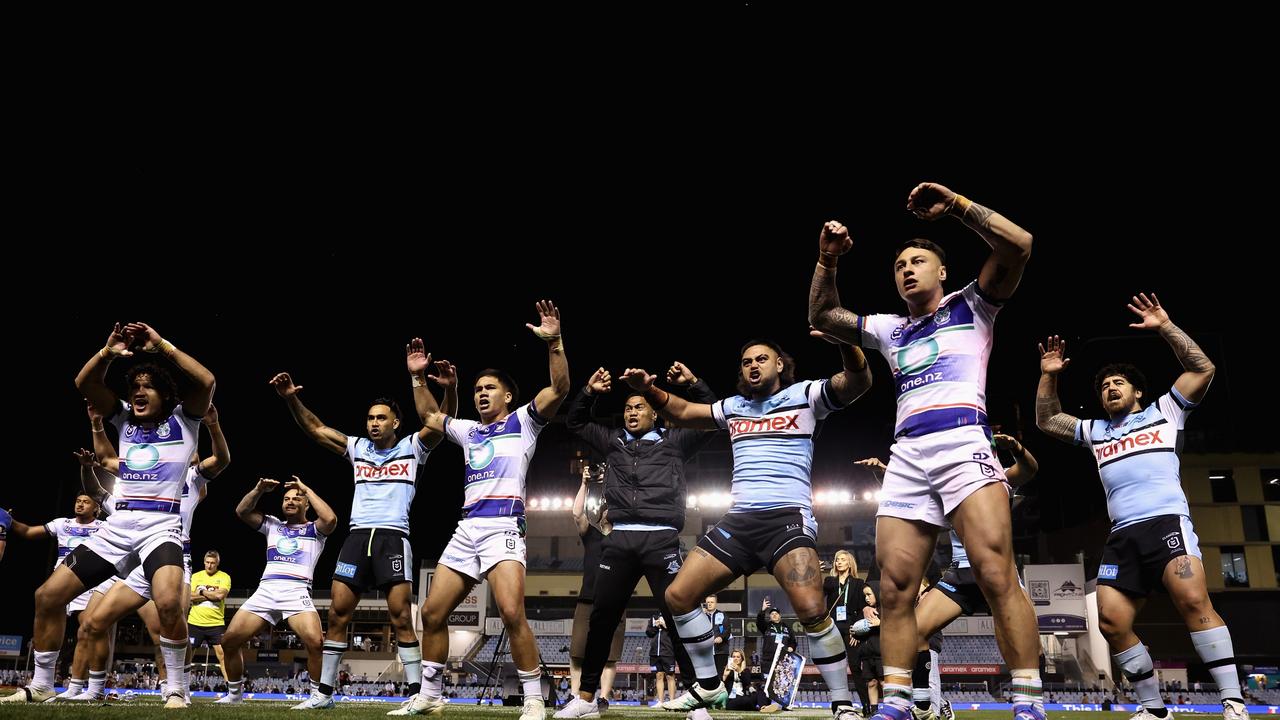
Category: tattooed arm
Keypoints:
(825, 313)
(1049, 415)
(1010, 244)
(1197, 368)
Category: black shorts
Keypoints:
(958, 584)
(872, 663)
(662, 663)
(374, 558)
(748, 541)
(1135, 556)
(205, 634)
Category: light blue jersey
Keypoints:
(386, 481)
(773, 446)
(1138, 459)
(497, 459)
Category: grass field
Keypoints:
(263, 710)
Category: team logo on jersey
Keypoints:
(673, 567)
(479, 455)
(397, 565)
(1173, 540)
(942, 316)
(917, 356)
(163, 431)
(987, 470)
(130, 429)
(287, 545)
(511, 543)
(897, 333)
(143, 456)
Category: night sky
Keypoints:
(264, 256)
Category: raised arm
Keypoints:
(326, 518)
(417, 360)
(1024, 466)
(91, 381)
(855, 379)
(213, 465)
(325, 436)
(102, 446)
(89, 478)
(825, 312)
(580, 503)
(247, 510)
(672, 407)
(1049, 416)
(200, 393)
(1197, 369)
(1010, 244)
(549, 398)
(578, 415)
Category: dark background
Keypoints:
(666, 228)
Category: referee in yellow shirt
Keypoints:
(207, 620)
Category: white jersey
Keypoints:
(497, 458)
(939, 361)
(154, 459)
(190, 499)
(386, 481)
(292, 550)
(70, 534)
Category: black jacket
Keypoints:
(645, 479)
(660, 640)
(769, 638)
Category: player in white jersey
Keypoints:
(489, 541)
(771, 425)
(940, 469)
(134, 592)
(157, 434)
(376, 553)
(70, 532)
(956, 593)
(1152, 544)
(294, 545)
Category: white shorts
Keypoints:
(82, 600)
(929, 476)
(137, 579)
(277, 600)
(480, 543)
(129, 537)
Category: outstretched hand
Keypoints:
(1150, 314)
(284, 385)
(1053, 355)
(639, 379)
(550, 319)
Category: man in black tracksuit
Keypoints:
(645, 495)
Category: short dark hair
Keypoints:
(395, 406)
(162, 381)
(788, 374)
(1125, 370)
(503, 378)
(923, 244)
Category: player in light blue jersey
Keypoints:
(770, 524)
(489, 541)
(940, 471)
(158, 429)
(376, 553)
(294, 545)
(1152, 543)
